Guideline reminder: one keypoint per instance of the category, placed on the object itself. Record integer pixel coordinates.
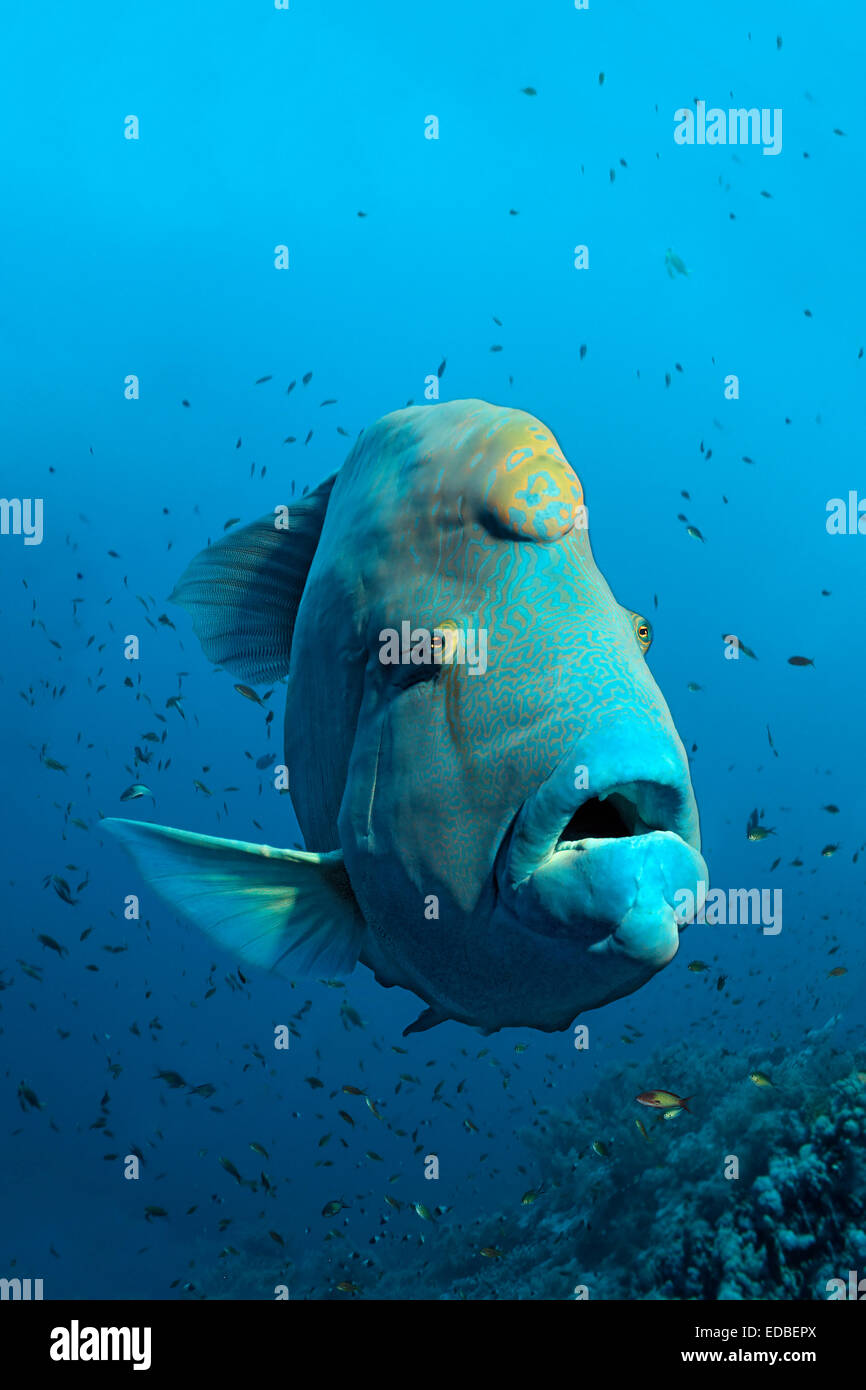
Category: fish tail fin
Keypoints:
(270, 907)
(243, 592)
(683, 1102)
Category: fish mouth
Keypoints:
(585, 801)
(622, 812)
(601, 850)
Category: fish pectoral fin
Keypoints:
(271, 907)
(243, 592)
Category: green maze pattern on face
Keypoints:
(563, 662)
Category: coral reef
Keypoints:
(757, 1192)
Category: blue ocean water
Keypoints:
(154, 258)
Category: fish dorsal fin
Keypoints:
(243, 591)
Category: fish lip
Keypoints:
(615, 900)
(656, 788)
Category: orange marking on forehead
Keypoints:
(534, 493)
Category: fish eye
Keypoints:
(419, 654)
(445, 642)
(643, 632)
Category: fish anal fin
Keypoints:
(428, 1019)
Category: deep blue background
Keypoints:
(155, 257)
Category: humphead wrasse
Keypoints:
(497, 804)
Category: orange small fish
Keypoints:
(662, 1100)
